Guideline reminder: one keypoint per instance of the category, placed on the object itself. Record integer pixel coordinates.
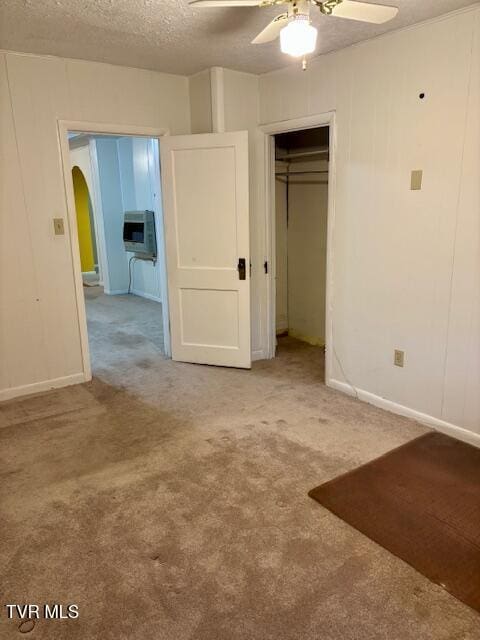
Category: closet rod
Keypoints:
(303, 154)
(299, 173)
(290, 182)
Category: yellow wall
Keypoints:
(83, 220)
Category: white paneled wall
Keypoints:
(300, 252)
(306, 252)
(201, 102)
(39, 333)
(406, 265)
(141, 191)
(111, 187)
(126, 173)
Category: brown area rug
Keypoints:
(421, 502)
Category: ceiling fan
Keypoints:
(298, 36)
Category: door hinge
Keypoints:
(265, 266)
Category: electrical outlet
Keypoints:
(399, 358)
(58, 226)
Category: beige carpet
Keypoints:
(169, 501)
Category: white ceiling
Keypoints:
(168, 35)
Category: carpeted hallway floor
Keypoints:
(169, 501)
(122, 330)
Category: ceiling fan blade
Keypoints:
(225, 3)
(364, 11)
(273, 29)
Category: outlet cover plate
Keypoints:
(58, 226)
(416, 180)
(399, 358)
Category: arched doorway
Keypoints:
(85, 226)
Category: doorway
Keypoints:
(86, 228)
(299, 224)
(119, 229)
(202, 234)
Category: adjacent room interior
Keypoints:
(240, 319)
(119, 225)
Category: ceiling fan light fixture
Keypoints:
(299, 37)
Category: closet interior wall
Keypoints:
(301, 192)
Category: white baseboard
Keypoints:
(135, 292)
(148, 296)
(115, 292)
(258, 355)
(440, 425)
(39, 387)
(430, 421)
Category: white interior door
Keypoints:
(205, 192)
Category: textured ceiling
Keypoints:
(168, 35)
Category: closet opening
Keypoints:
(300, 239)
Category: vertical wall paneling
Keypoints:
(39, 330)
(406, 265)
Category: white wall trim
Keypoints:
(161, 251)
(115, 292)
(64, 126)
(44, 385)
(72, 232)
(106, 128)
(147, 296)
(269, 130)
(430, 421)
(298, 124)
(135, 292)
(98, 215)
(50, 56)
(259, 354)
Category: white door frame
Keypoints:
(98, 217)
(64, 126)
(269, 131)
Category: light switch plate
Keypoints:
(416, 180)
(399, 358)
(58, 226)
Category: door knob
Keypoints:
(242, 269)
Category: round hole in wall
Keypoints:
(421, 96)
